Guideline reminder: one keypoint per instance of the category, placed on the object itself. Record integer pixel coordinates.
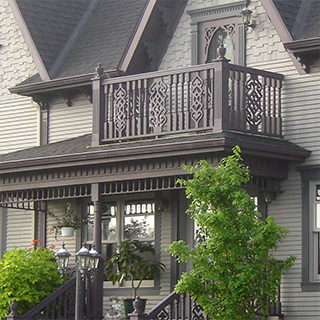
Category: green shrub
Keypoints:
(232, 263)
(27, 276)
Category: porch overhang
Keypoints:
(51, 172)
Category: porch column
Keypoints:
(3, 228)
(97, 287)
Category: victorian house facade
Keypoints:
(104, 101)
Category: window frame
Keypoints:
(149, 286)
(310, 176)
(224, 14)
(314, 233)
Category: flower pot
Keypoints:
(129, 308)
(67, 232)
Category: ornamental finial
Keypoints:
(221, 52)
(99, 70)
(14, 308)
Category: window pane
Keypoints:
(108, 250)
(317, 222)
(108, 228)
(318, 193)
(109, 222)
(221, 36)
(139, 220)
(141, 227)
(317, 209)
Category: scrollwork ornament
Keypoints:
(254, 100)
(121, 102)
(158, 112)
(197, 92)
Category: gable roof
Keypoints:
(301, 17)
(298, 25)
(51, 24)
(69, 38)
(73, 36)
(104, 38)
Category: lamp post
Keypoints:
(87, 263)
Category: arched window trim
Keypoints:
(217, 16)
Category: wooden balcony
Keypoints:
(213, 97)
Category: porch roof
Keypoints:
(77, 150)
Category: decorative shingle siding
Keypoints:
(16, 65)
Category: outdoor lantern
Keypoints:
(246, 18)
(83, 259)
(63, 258)
(94, 258)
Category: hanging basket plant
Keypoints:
(69, 220)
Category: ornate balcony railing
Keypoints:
(203, 98)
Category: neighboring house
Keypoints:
(116, 139)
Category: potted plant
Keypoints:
(67, 223)
(131, 259)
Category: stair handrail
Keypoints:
(47, 300)
(161, 305)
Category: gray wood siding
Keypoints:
(301, 124)
(18, 124)
(69, 122)
(19, 229)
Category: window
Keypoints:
(123, 220)
(310, 186)
(215, 33)
(315, 232)
(218, 25)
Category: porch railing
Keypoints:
(203, 98)
(182, 307)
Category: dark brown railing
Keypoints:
(203, 98)
(59, 305)
(182, 307)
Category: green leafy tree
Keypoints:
(232, 263)
(27, 276)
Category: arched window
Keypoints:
(217, 36)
